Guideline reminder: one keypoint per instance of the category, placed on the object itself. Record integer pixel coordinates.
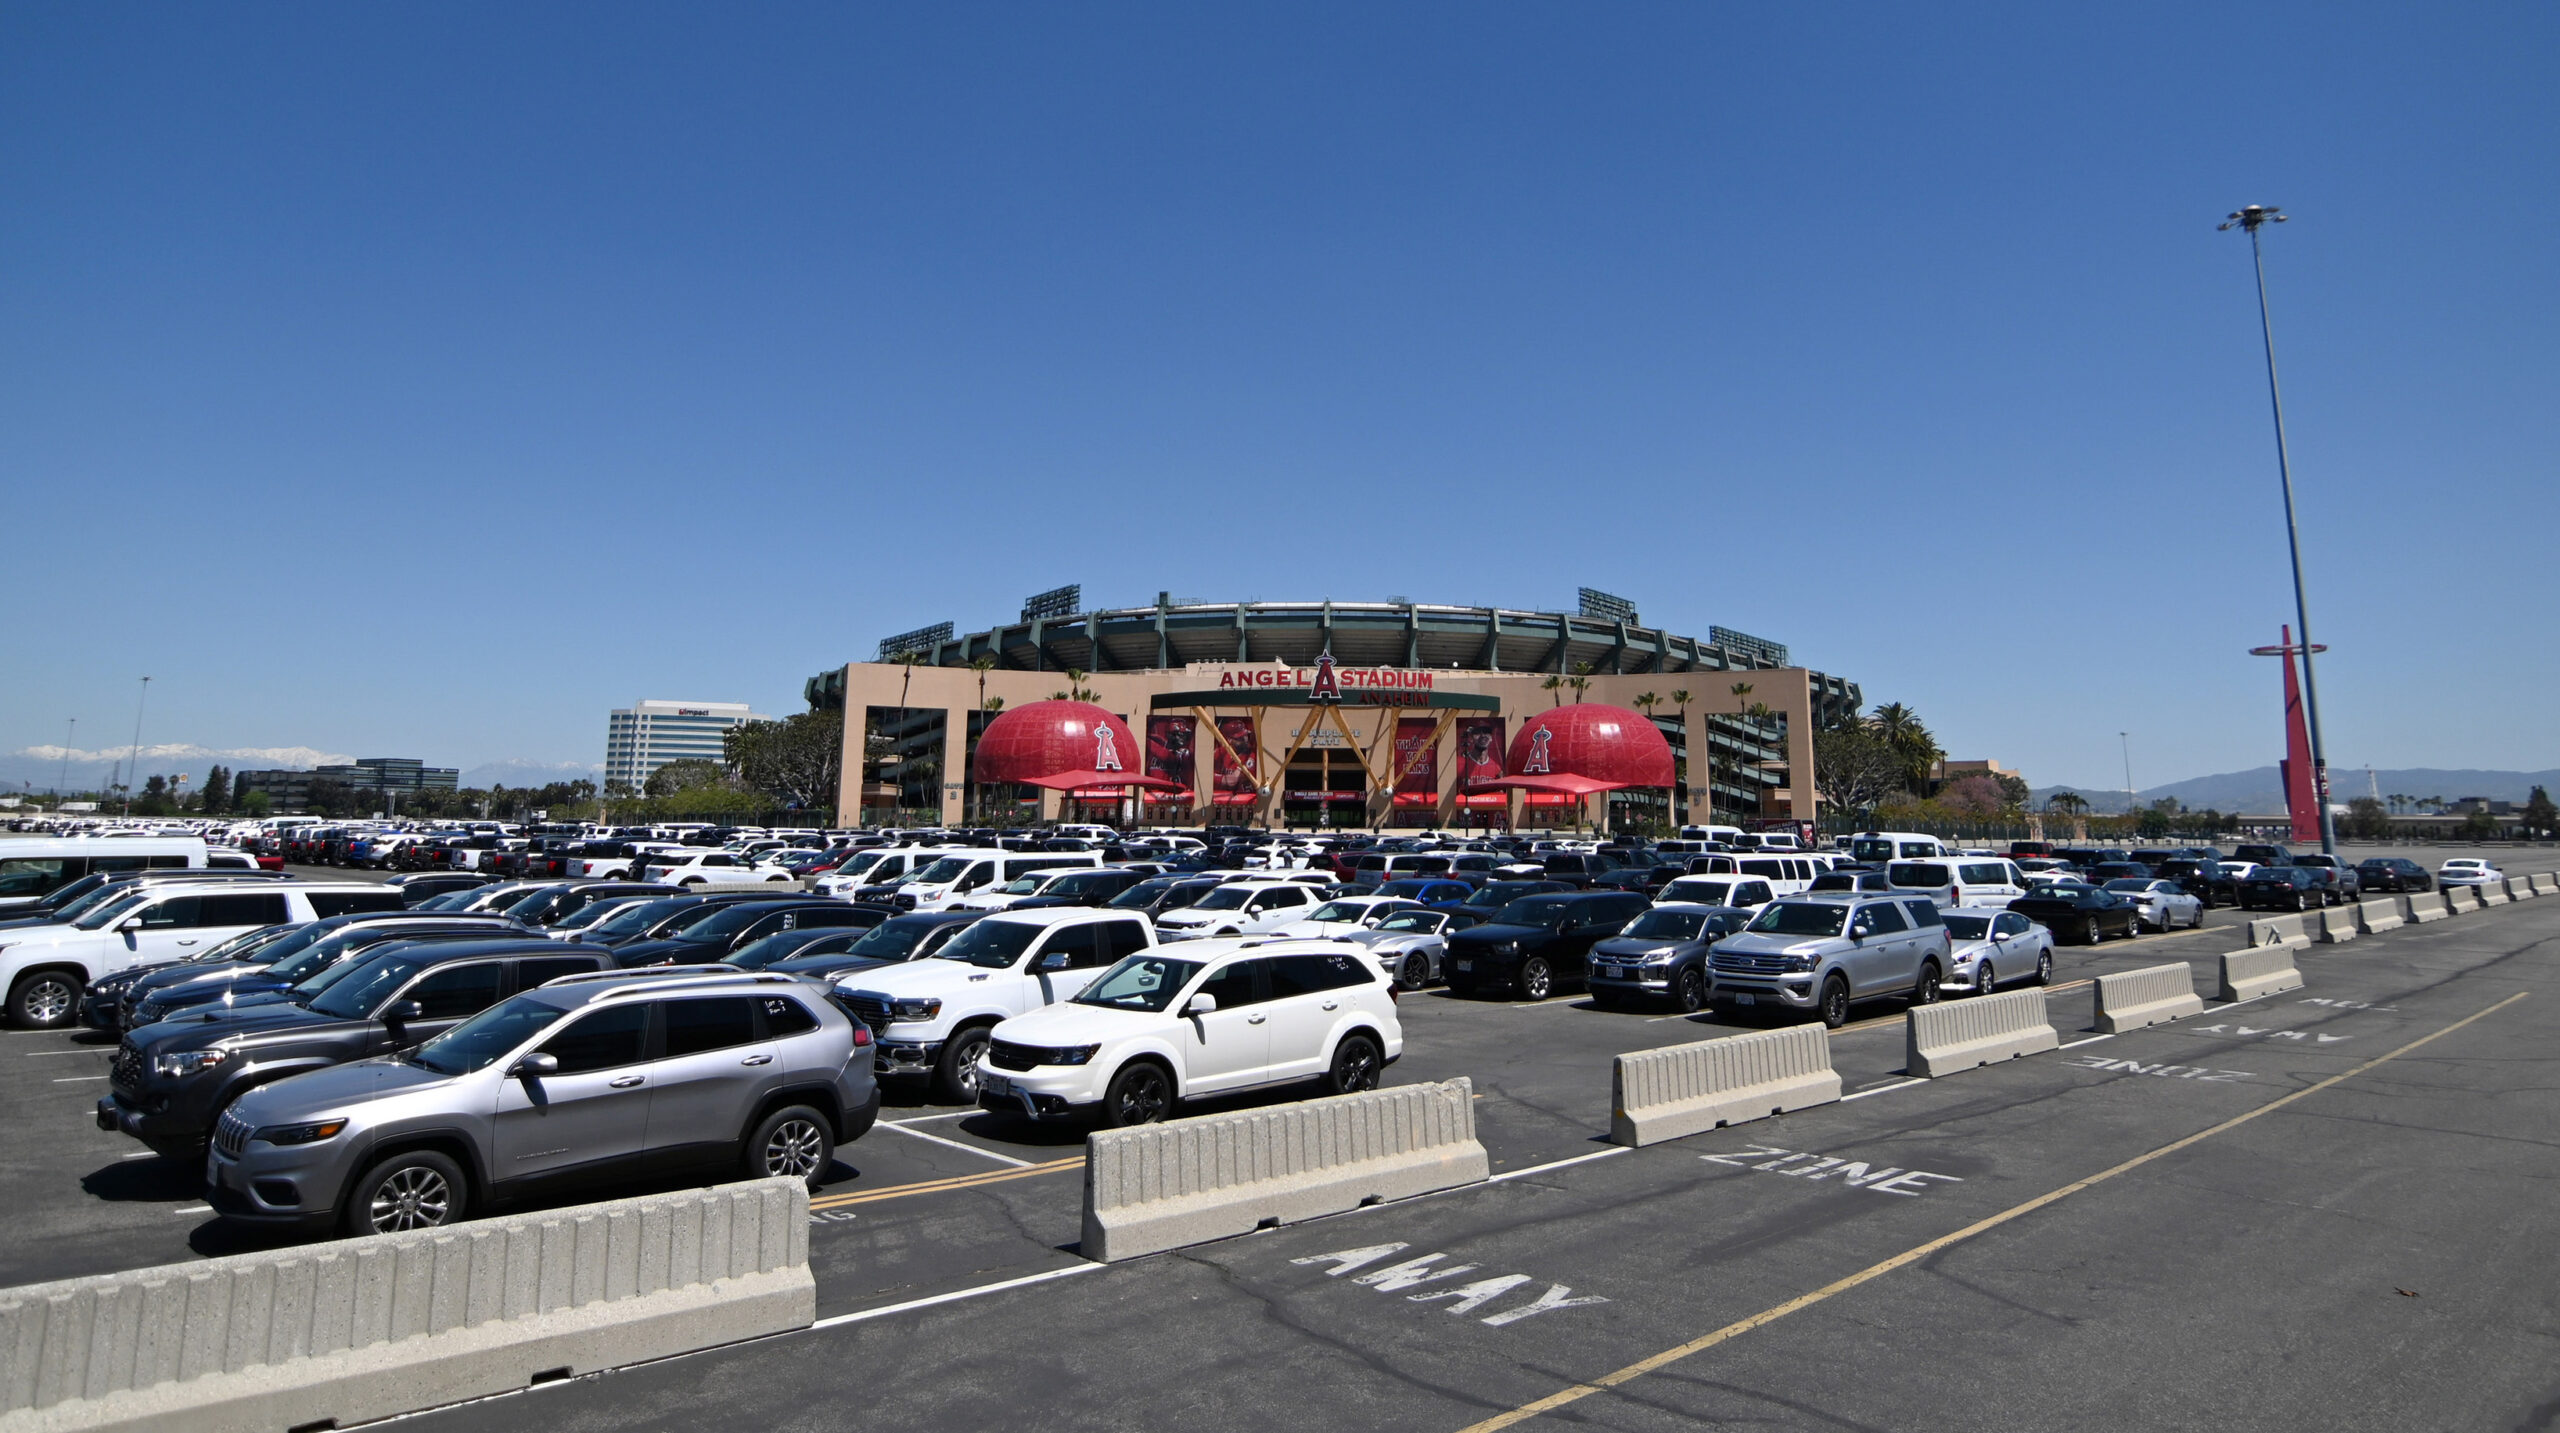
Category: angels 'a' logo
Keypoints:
(1538, 739)
(1106, 749)
(1328, 688)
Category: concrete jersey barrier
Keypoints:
(2248, 974)
(2291, 932)
(1663, 1094)
(2426, 907)
(1961, 1034)
(2334, 925)
(2545, 883)
(2131, 999)
(2520, 888)
(2491, 893)
(2380, 914)
(2463, 899)
(1158, 1187)
(326, 1335)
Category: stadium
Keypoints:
(1312, 714)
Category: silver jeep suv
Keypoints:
(1823, 952)
(591, 1078)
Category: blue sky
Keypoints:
(429, 380)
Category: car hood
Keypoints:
(334, 1088)
(185, 980)
(1393, 939)
(203, 1027)
(1499, 934)
(1317, 929)
(1627, 946)
(929, 976)
(1193, 915)
(1070, 1024)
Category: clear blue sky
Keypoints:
(426, 380)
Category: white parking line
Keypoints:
(2076, 1044)
(141, 1154)
(80, 1079)
(193, 1209)
(920, 1119)
(40, 1054)
(1557, 1164)
(956, 1295)
(956, 1144)
(1882, 1090)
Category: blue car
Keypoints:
(1427, 890)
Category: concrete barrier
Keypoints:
(325, 1335)
(2491, 893)
(2460, 900)
(2426, 907)
(2131, 999)
(1961, 1034)
(1159, 1187)
(2546, 883)
(2334, 925)
(2520, 888)
(2248, 974)
(2292, 932)
(1663, 1094)
(2380, 914)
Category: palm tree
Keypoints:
(982, 665)
(1647, 701)
(907, 659)
(1554, 685)
(1580, 681)
(1688, 742)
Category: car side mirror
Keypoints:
(401, 1012)
(534, 1066)
(1201, 1004)
(1054, 960)
(131, 924)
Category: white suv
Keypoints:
(695, 868)
(46, 968)
(1239, 908)
(1211, 1017)
(932, 1015)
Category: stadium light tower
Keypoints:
(2252, 218)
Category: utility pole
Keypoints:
(2127, 743)
(2251, 218)
(61, 783)
(133, 762)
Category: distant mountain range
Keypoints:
(2262, 789)
(529, 773)
(41, 768)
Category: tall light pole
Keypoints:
(70, 739)
(2126, 742)
(2251, 219)
(133, 761)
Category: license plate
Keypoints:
(1462, 964)
(994, 1084)
(1745, 997)
(1608, 972)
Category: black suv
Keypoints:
(1158, 894)
(239, 970)
(1579, 869)
(2393, 873)
(734, 927)
(172, 1080)
(1536, 942)
(1083, 888)
(2296, 888)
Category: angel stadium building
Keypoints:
(1363, 714)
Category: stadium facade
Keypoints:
(1223, 697)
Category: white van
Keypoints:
(1786, 875)
(1959, 880)
(1878, 847)
(32, 870)
(1710, 833)
(46, 969)
(1747, 892)
(956, 873)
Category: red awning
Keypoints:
(1562, 783)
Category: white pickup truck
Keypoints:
(932, 1016)
(694, 868)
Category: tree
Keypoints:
(2479, 825)
(1903, 732)
(982, 665)
(907, 659)
(677, 777)
(798, 761)
(256, 803)
(1978, 797)
(1691, 747)
(1580, 681)
(2067, 803)
(217, 791)
(1555, 686)
(1853, 767)
(2541, 818)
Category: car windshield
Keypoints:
(481, 1040)
(1080, 884)
(1705, 893)
(1143, 894)
(1224, 898)
(640, 915)
(891, 940)
(1545, 911)
(1141, 982)
(1667, 925)
(990, 944)
(77, 899)
(855, 865)
(593, 911)
(1967, 927)
(770, 950)
(107, 913)
(1338, 911)
(943, 872)
(2063, 890)
(1423, 921)
(245, 945)
(2128, 883)
(353, 990)
(1788, 919)
(1872, 850)
(725, 921)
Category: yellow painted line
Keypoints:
(938, 1186)
(1633, 1371)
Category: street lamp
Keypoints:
(133, 763)
(2251, 219)
(2126, 741)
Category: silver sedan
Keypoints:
(2163, 905)
(1410, 944)
(1989, 946)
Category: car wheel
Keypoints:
(1415, 972)
(46, 1000)
(1926, 991)
(955, 1075)
(1356, 1063)
(1140, 1094)
(2089, 932)
(1537, 978)
(1689, 992)
(417, 1190)
(2044, 967)
(1983, 978)
(791, 1143)
(1835, 1003)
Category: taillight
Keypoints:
(861, 1035)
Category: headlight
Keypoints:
(915, 1009)
(311, 1133)
(1073, 1054)
(1799, 963)
(1659, 957)
(183, 1063)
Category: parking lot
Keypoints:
(2033, 1245)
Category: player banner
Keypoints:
(1234, 774)
(1419, 759)
(1172, 755)
(1480, 748)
